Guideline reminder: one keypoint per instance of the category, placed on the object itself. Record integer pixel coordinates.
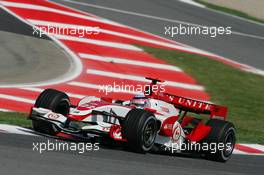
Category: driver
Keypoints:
(140, 101)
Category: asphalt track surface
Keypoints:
(238, 47)
(25, 58)
(18, 157)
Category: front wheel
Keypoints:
(57, 102)
(140, 129)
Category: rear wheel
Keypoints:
(222, 132)
(57, 102)
(140, 129)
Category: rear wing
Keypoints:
(188, 104)
(192, 105)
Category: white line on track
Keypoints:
(155, 17)
(73, 9)
(191, 2)
(41, 90)
(255, 146)
(142, 79)
(17, 130)
(79, 84)
(126, 26)
(127, 12)
(15, 98)
(119, 34)
(234, 16)
(100, 88)
(128, 61)
(48, 9)
(236, 151)
(97, 42)
(5, 110)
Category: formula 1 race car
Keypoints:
(150, 121)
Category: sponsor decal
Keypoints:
(176, 132)
(53, 116)
(165, 109)
(190, 103)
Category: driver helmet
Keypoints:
(140, 101)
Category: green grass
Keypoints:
(242, 92)
(230, 11)
(14, 118)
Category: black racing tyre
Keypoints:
(140, 129)
(224, 133)
(57, 102)
(54, 100)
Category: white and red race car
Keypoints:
(150, 121)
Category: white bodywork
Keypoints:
(163, 111)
